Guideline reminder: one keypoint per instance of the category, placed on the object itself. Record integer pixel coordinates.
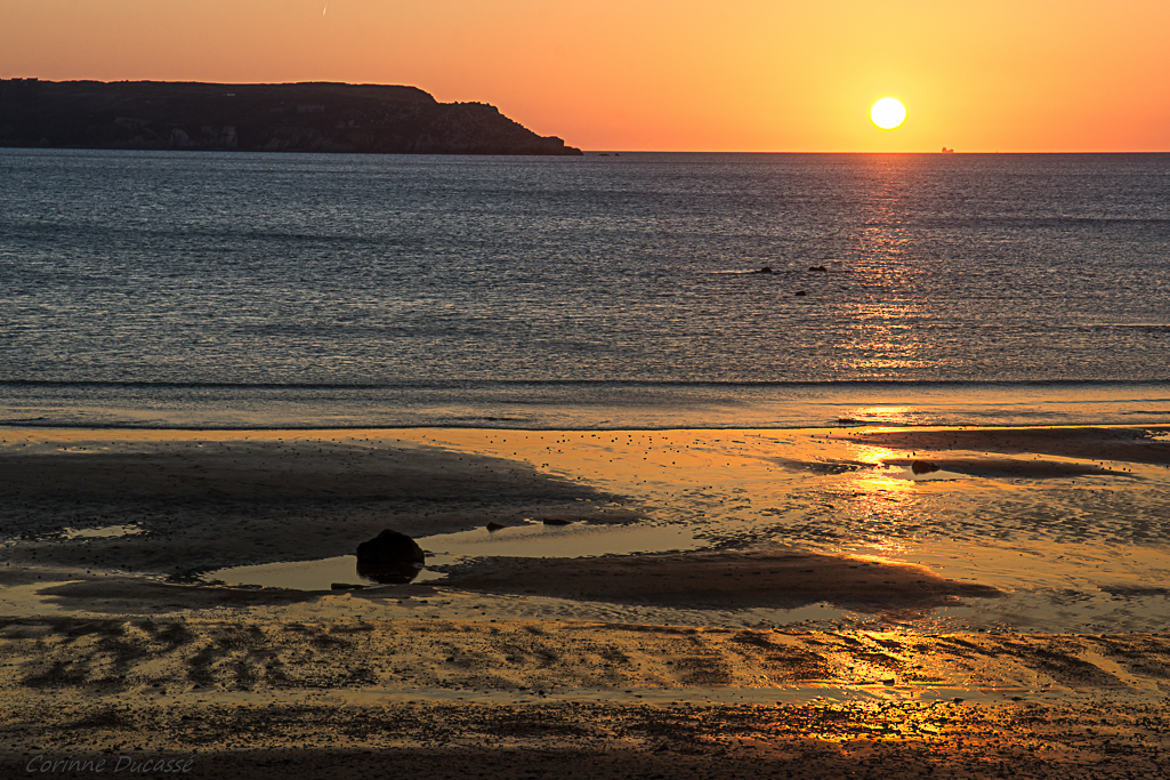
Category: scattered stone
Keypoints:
(345, 586)
(555, 521)
(765, 270)
(818, 268)
(493, 526)
(800, 292)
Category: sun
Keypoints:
(888, 113)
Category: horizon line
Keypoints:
(838, 151)
(616, 152)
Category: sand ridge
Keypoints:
(347, 698)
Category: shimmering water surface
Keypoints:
(248, 289)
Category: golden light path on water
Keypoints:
(877, 335)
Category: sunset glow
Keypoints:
(561, 389)
(657, 75)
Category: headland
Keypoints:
(302, 117)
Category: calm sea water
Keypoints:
(247, 289)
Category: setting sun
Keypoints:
(888, 113)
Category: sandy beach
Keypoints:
(869, 602)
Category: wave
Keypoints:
(458, 383)
(1156, 326)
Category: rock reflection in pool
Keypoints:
(388, 573)
(531, 539)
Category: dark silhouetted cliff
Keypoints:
(309, 117)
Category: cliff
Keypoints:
(307, 117)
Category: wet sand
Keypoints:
(1094, 444)
(725, 579)
(838, 610)
(349, 698)
(581, 740)
(202, 500)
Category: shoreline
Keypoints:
(99, 430)
(841, 426)
(587, 405)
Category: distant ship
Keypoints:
(946, 150)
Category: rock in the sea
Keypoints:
(800, 292)
(390, 557)
(817, 268)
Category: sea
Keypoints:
(610, 291)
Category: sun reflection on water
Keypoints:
(882, 331)
(875, 455)
(885, 484)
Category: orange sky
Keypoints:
(741, 75)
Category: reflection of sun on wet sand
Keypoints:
(809, 600)
(1095, 444)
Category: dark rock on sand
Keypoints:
(391, 547)
(923, 467)
(800, 292)
(493, 526)
(765, 270)
(818, 268)
(390, 557)
(555, 521)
